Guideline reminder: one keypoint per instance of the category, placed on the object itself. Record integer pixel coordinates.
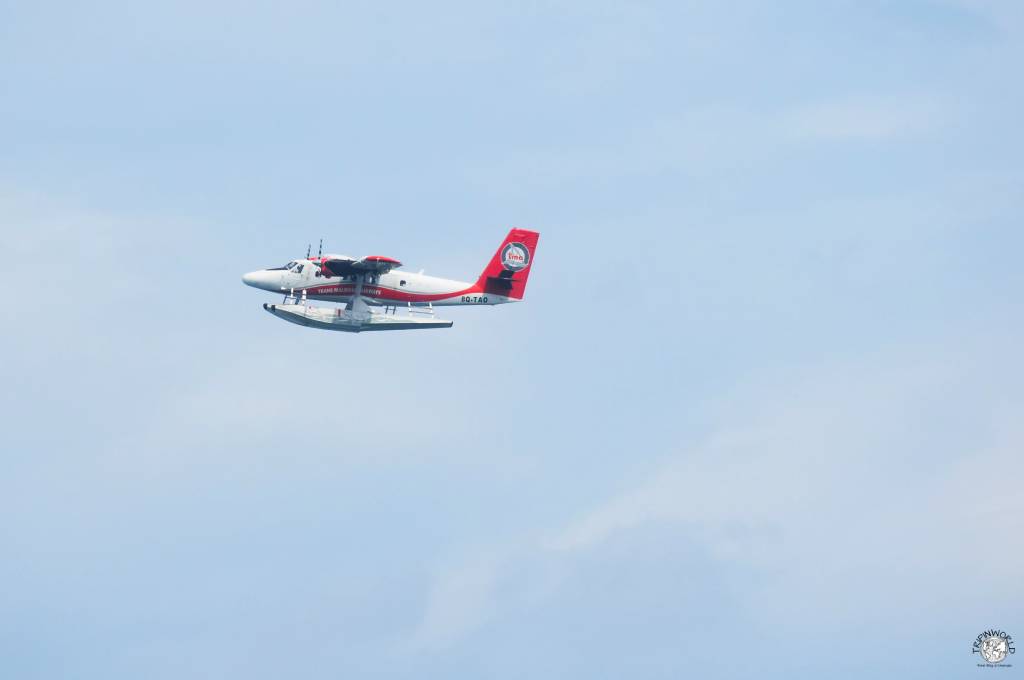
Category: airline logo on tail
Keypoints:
(515, 257)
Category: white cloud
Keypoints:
(837, 486)
(844, 474)
(1007, 15)
(459, 601)
(711, 141)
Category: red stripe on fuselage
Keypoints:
(377, 292)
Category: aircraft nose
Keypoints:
(260, 279)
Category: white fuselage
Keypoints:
(394, 288)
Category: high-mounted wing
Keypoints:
(371, 264)
(377, 264)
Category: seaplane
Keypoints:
(372, 289)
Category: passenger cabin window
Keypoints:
(402, 282)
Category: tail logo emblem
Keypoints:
(515, 257)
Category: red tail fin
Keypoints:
(510, 267)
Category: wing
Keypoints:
(371, 264)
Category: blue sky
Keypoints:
(761, 412)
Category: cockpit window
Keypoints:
(298, 270)
(291, 264)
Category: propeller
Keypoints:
(321, 269)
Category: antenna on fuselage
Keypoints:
(308, 249)
(321, 253)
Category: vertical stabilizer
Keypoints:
(508, 270)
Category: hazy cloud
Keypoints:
(872, 118)
(832, 482)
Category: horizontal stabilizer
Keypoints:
(498, 284)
